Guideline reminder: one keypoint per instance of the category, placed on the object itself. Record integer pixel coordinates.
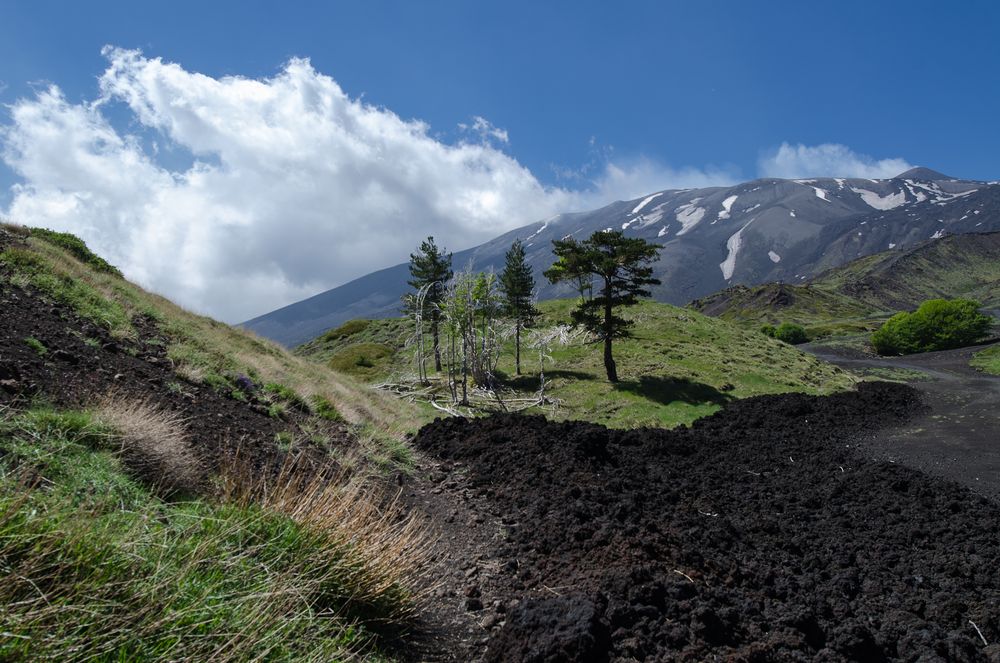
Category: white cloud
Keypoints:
(294, 187)
(485, 130)
(826, 160)
(624, 180)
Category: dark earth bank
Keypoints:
(83, 364)
(758, 534)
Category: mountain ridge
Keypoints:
(768, 229)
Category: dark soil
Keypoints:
(758, 534)
(83, 363)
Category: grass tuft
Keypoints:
(274, 566)
(153, 444)
(37, 346)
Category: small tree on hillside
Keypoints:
(621, 266)
(430, 271)
(518, 284)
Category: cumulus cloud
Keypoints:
(826, 160)
(289, 187)
(624, 180)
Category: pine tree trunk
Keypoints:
(437, 345)
(517, 347)
(609, 361)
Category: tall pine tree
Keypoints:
(518, 284)
(621, 265)
(430, 267)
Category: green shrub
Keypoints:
(349, 328)
(938, 324)
(768, 330)
(77, 248)
(791, 333)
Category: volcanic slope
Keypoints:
(175, 480)
(767, 230)
(867, 290)
(758, 534)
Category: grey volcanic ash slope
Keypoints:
(755, 232)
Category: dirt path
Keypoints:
(959, 437)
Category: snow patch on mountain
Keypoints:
(645, 201)
(727, 207)
(891, 201)
(689, 216)
(820, 193)
(733, 246)
(654, 215)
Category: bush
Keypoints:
(938, 324)
(791, 333)
(77, 248)
(788, 332)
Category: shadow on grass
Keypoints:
(530, 382)
(665, 390)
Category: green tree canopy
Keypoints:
(430, 268)
(621, 266)
(518, 285)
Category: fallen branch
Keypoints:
(681, 573)
(981, 637)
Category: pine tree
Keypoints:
(621, 264)
(431, 268)
(518, 284)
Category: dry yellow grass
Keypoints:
(153, 443)
(389, 547)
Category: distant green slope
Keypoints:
(680, 366)
(862, 293)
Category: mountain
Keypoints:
(766, 230)
(872, 287)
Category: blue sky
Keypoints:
(587, 100)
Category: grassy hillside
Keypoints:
(988, 360)
(859, 296)
(965, 266)
(172, 488)
(680, 366)
(199, 349)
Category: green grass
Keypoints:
(364, 360)
(37, 346)
(94, 560)
(392, 333)
(680, 366)
(75, 247)
(988, 360)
